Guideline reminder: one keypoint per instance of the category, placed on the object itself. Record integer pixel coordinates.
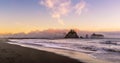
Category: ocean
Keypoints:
(103, 49)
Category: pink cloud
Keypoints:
(79, 7)
(59, 8)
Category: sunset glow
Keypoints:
(30, 15)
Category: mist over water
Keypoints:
(104, 49)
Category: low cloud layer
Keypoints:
(56, 33)
(50, 33)
(60, 8)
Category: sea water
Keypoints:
(104, 49)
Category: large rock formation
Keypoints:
(72, 34)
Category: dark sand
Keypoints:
(17, 54)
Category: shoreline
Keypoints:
(85, 58)
(17, 54)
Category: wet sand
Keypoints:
(16, 54)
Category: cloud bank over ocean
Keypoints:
(56, 33)
(50, 33)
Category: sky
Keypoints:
(29, 15)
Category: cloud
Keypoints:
(49, 33)
(60, 8)
(79, 7)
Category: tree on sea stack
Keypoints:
(71, 34)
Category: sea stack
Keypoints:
(97, 36)
(71, 34)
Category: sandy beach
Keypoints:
(16, 54)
